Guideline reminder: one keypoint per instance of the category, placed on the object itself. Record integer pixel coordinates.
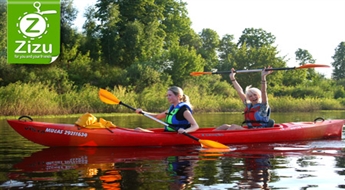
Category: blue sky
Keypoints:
(315, 25)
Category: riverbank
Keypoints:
(37, 99)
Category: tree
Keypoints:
(91, 43)
(70, 38)
(339, 62)
(208, 50)
(226, 51)
(68, 15)
(255, 51)
(130, 30)
(256, 58)
(108, 15)
(177, 25)
(256, 38)
(304, 57)
(143, 75)
(181, 62)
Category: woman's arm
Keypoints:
(193, 124)
(264, 96)
(156, 115)
(162, 114)
(237, 86)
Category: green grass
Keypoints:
(38, 100)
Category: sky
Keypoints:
(314, 25)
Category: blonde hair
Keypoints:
(178, 91)
(250, 91)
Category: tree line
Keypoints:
(140, 44)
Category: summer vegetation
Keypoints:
(137, 49)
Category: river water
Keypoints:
(297, 165)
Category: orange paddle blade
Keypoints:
(107, 97)
(200, 73)
(311, 66)
(212, 144)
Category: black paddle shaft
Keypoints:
(128, 106)
(254, 70)
(190, 136)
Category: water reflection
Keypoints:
(181, 171)
(246, 167)
(109, 168)
(256, 172)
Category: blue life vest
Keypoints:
(174, 123)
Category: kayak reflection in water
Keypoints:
(111, 179)
(256, 171)
(180, 171)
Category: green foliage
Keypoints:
(212, 85)
(49, 75)
(82, 101)
(210, 43)
(3, 29)
(256, 58)
(331, 104)
(340, 82)
(132, 31)
(290, 104)
(339, 88)
(91, 44)
(53, 77)
(302, 91)
(69, 54)
(209, 94)
(252, 37)
(304, 57)
(36, 99)
(293, 78)
(177, 25)
(182, 62)
(68, 15)
(153, 98)
(339, 93)
(227, 49)
(342, 102)
(28, 99)
(339, 62)
(143, 75)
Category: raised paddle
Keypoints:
(306, 66)
(109, 98)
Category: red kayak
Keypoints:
(56, 135)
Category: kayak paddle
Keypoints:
(306, 66)
(109, 98)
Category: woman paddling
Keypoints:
(179, 115)
(257, 110)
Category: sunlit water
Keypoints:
(298, 165)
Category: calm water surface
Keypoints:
(298, 165)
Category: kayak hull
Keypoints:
(70, 135)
